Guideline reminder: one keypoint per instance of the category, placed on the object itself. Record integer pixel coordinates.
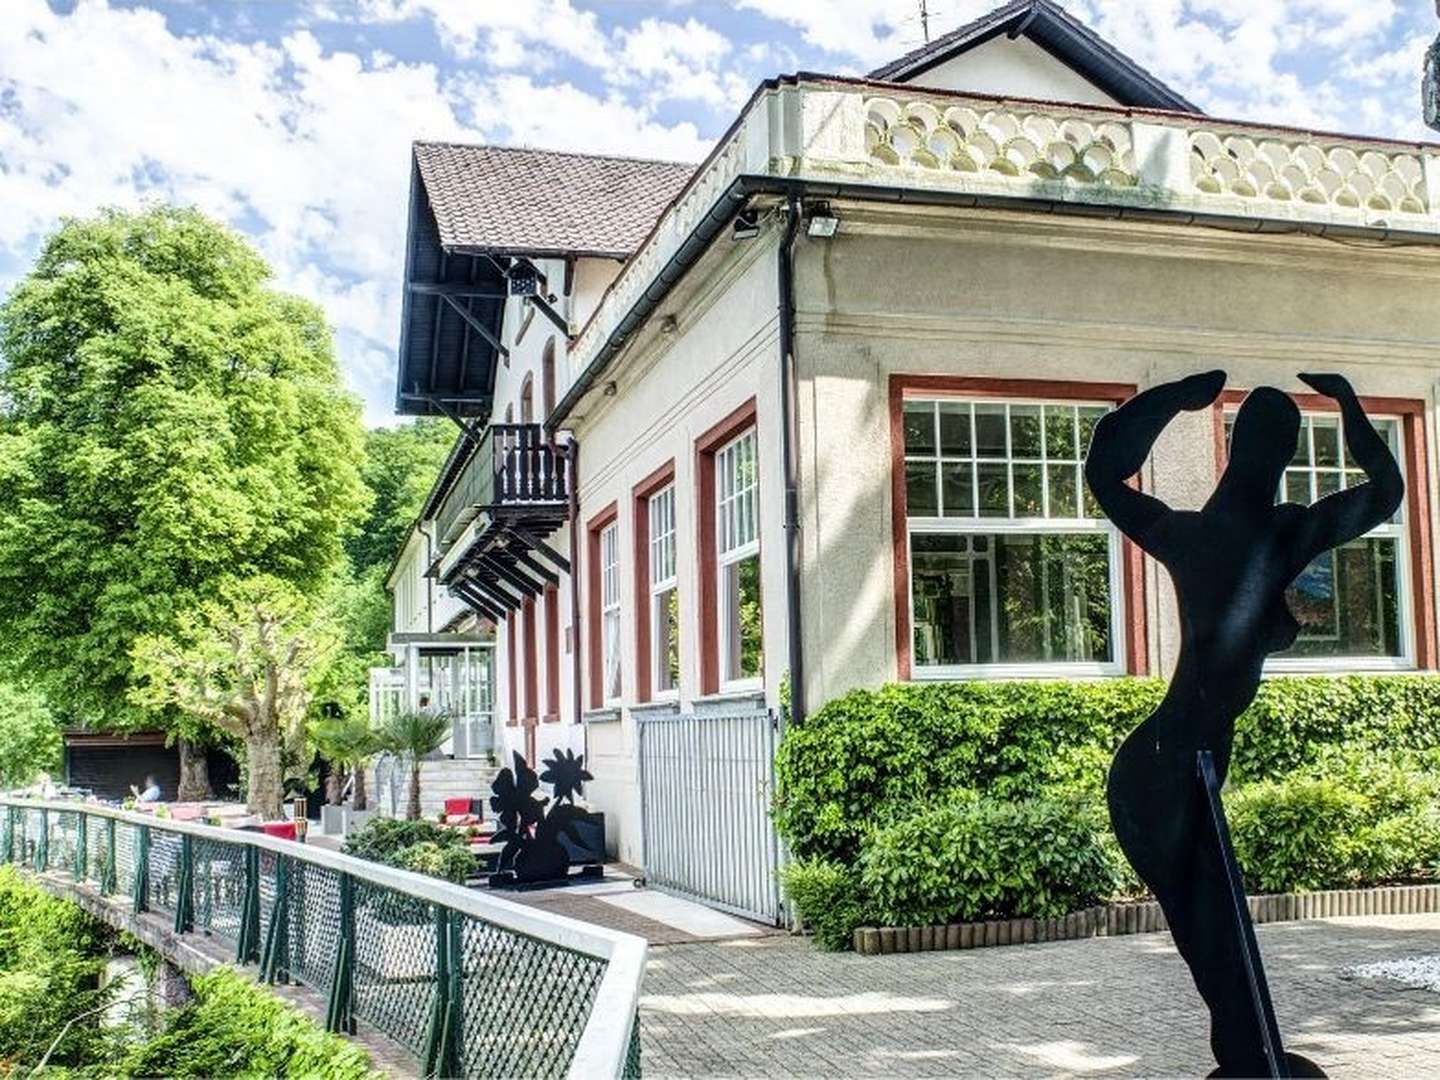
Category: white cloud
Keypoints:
(306, 149)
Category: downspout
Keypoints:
(429, 581)
(572, 452)
(789, 441)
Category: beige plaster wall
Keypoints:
(989, 293)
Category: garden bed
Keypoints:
(1113, 920)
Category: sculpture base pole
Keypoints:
(1244, 929)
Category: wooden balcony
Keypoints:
(493, 524)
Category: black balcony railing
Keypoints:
(513, 468)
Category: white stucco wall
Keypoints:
(1017, 68)
(671, 390)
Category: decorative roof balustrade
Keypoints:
(842, 138)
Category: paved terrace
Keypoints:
(1123, 1006)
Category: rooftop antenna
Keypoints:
(925, 21)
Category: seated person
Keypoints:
(151, 794)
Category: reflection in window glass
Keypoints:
(1038, 592)
(664, 594)
(738, 551)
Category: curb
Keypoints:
(1114, 920)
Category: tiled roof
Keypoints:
(538, 202)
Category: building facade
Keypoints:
(824, 425)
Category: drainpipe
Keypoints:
(572, 452)
(789, 440)
(429, 581)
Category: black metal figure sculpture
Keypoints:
(535, 850)
(1231, 562)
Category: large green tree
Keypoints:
(169, 423)
(400, 467)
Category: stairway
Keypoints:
(440, 779)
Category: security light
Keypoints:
(822, 224)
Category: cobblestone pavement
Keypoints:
(1124, 1006)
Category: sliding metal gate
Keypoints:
(705, 787)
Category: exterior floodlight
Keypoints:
(822, 223)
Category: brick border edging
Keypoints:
(1112, 920)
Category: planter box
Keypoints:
(1140, 918)
(332, 820)
(354, 820)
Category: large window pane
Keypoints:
(665, 625)
(740, 589)
(1346, 602)
(1011, 598)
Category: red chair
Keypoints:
(285, 830)
(464, 812)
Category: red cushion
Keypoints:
(457, 806)
(285, 830)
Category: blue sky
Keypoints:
(291, 118)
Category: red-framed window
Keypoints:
(552, 653)
(1003, 566)
(657, 594)
(602, 605)
(729, 540)
(1370, 603)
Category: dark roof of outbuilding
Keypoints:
(543, 202)
(1061, 35)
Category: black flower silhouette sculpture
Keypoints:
(1231, 562)
(532, 834)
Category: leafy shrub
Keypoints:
(827, 898)
(983, 857)
(1368, 823)
(234, 1028)
(448, 861)
(1295, 723)
(380, 839)
(51, 954)
(869, 755)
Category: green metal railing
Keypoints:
(470, 984)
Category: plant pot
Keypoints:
(354, 820)
(332, 820)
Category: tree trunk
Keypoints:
(194, 773)
(334, 786)
(358, 799)
(412, 811)
(265, 792)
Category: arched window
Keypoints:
(527, 401)
(547, 380)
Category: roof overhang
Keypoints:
(452, 321)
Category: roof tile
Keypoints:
(542, 201)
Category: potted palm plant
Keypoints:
(416, 735)
(348, 744)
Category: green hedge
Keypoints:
(926, 802)
(421, 846)
(868, 756)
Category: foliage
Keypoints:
(453, 862)
(29, 737)
(245, 663)
(870, 754)
(982, 857)
(1358, 824)
(168, 422)
(347, 743)
(421, 846)
(399, 467)
(379, 839)
(1296, 722)
(415, 734)
(828, 899)
(234, 1028)
(51, 954)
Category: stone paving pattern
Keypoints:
(1124, 1006)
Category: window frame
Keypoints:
(610, 606)
(715, 438)
(1413, 562)
(645, 660)
(741, 552)
(1126, 576)
(593, 529)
